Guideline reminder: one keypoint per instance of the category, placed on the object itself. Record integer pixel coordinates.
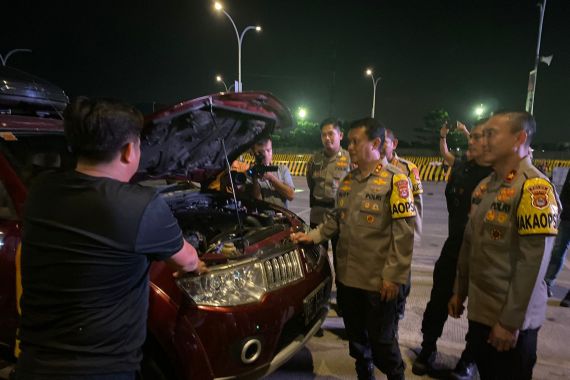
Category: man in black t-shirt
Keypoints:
(88, 240)
(466, 173)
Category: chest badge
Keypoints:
(370, 219)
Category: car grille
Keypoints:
(283, 269)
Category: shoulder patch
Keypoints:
(401, 199)
(537, 213)
(417, 187)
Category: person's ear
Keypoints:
(128, 152)
(341, 136)
(521, 138)
(395, 143)
(377, 143)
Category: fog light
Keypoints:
(250, 351)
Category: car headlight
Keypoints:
(226, 287)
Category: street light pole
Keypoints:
(374, 84)
(239, 37)
(5, 59)
(219, 79)
(534, 73)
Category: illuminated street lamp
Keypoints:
(479, 111)
(257, 28)
(5, 59)
(221, 80)
(374, 84)
(302, 113)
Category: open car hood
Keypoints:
(23, 93)
(185, 140)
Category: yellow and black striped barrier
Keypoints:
(431, 168)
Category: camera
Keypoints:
(260, 168)
(451, 126)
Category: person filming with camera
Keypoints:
(272, 184)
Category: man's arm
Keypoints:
(284, 187)
(443, 150)
(186, 260)
(397, 266)
(324, 231)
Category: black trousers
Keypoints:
(370, 325)
(435, 314)
(515, 364)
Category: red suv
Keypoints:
(263, 298)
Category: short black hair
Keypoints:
(332, 121)
(96, 129)
(373, 128)
(390, 134)
(263, 140)
(520, 121)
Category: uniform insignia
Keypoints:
(403, 188)
(496, 234)
(480, 191)
(501, 217)
(490, 216)
(416, 173)
(342, 215)
(505, 194)
(375, 207)
(401, 201)
(366, 204)
(342, 165)
(379, 181)
(539, 196)
(384, 174)
(370, 219)
(346, 182)
(511, 176)
(341, 202)
(345, 188)
(378, 168)
(537, 212)
(342, 158)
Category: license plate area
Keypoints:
(316, 300)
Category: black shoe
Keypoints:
(424, 363)
(463, 371)
(566, 301)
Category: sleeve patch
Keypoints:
(401, 199)
(537, 213)
(417, 187)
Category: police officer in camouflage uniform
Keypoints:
(505, 252)
(375, 222)
(324, 172)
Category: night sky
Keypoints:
(451, 54)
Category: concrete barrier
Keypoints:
(431, 168)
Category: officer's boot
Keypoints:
(364, 370)
(464, 370)
(424, 362)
